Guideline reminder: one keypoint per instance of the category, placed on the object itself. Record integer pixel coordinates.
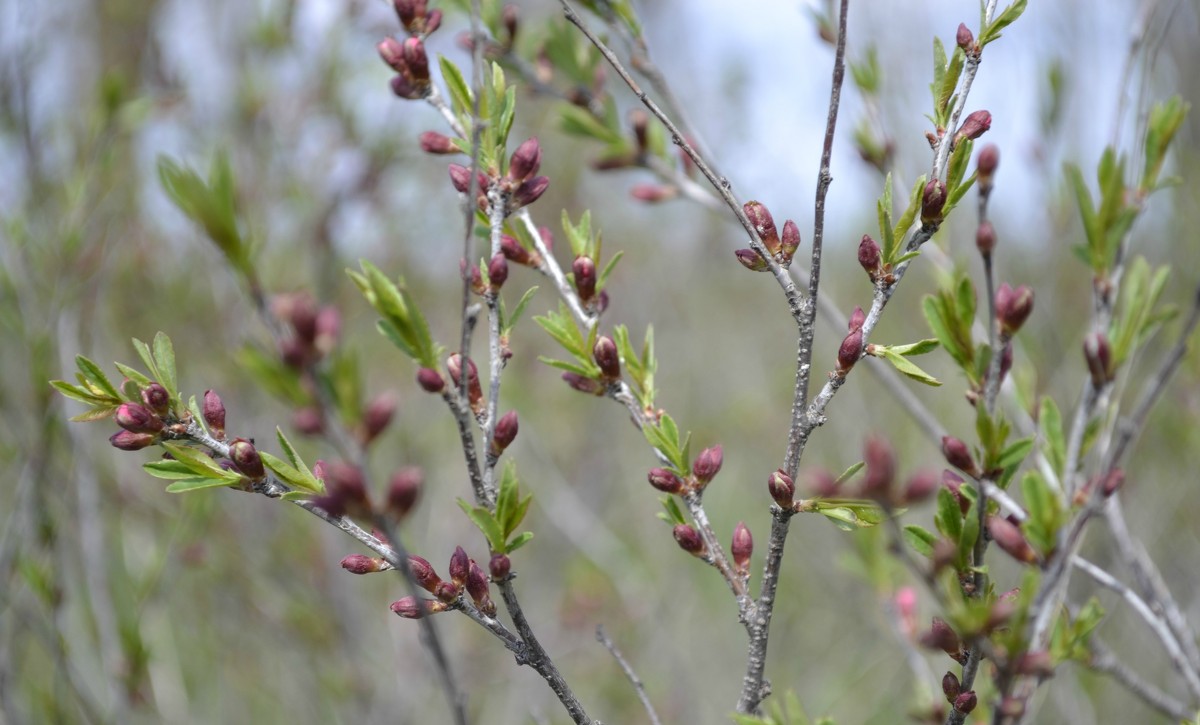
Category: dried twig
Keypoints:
(603, 638)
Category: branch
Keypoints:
(1104, 661)
(603, 639)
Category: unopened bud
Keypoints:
(582, 384)
(959, 455)
(708, 464)
(474, 391)
(1038, 664)
(460, 565)
(933, 199)
(750, 259)
(423, 573)
(665, 480)
(1013, 308)
(497, 272)
(377, 416)
(822, 483)
(433, 142)
(966, 702)
(129, 441)
(607, 358)
(1098, 354)
(584, 270)
(506, 432)
(953, 483)
(880, 461)
(849, 351)
(517, 254)
(137, 418)
(526, 160)
(392, 53)
(689, 540)
(652, 193)
(416, 60)
(361, 564)
(410, 608)
(985, 237)
(157, 399)
(308, 421)
(448, 592)
(742, 547)
(1112, 482)
(941, 636)
(950, 686)
(857, 318)
(1010, 539)
(403, 490)
(974, 126)
(921, 486)
(530, 191)
(477, 587)
(869, 257)
(790, 241)
(987, 162)
(764, 226)
(782, 489)
(430, 380)
(964, 38)
(499, 567)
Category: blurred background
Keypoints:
(120, 603)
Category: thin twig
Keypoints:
(634, 680)
(1104, 661)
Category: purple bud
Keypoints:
(460, 565)
(652, 193)
(582, 384)
(950, 686)
(605, 354)
(392, 53)
(509, 18)
(460, 177)
(377, 416)
(530, 191)
(474, 391)
(526, 160)
(308, 421)
(346, 489)
(742, 547)
(857, 318)
(880, 461)
(941, 636)
(477, 587)
(953, 483)
(782, 488)
(1013, 307)
(849, 351)
(1112, 482)
(515, 253)
(409, 608)
(433, 142)
(360, 564)
(965, 702)
(506, 432)
(246, 459)
(921, 486)
(933, 199)
(137, 418)
(822, 483)
(403, 490)
(689, 540)
(499, 567)
(497, 272)
(329, 329)
(423, 573)
(665, 480)
(790, 241)
(157, 399)
(129, 441)
(974, 126)
(708, 464)
(1010, 539)
(985, 238)
(763, 225)
(417, 61)
(1098, 354)
(430, 380)
(986, 163)
(750, 259)
(584, 270)
(869, 257)
(958, 455)
(448, 592)
(964, 38)
(1039, 664)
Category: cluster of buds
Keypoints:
(464, 575)
(416, 17)
(781, 247)
(704, 469)
(141, 426)
(411, 64)
(1013, 307)
(521, 186)
(474, 390)
(314, 330)
(497, 275)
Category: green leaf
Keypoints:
(169, 469)
(518, 541)
(103, 412)
(1014, 453)
(948, 517)
(576, 121)
(195, 460)
(198, 483)
(310, 481)
(143, 351)
(910, 214)
(134, 375)
(79, 393)
(164, 359)
(461, 98)
(483, 519)
(1002, 21)
(920, 540)
(92, 372)
(968, 535)
(906, 366)
(846, 474)
(592, 372)
(917, 348)
(1165, 120)
(510, 321)
(608, 268)
(883, 209)
(1051, 429)
(673, 515)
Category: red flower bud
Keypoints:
(950, 686)
(822, 483)
(941, 636)
(605, 354)
(129, 441)
(689, 540)
(392, 53)
(584, 270)
(782, 489)
(763, 225)
(447, 592)
(1013, 307)
(933, 199)
(477, 587)
(137, 418)
(515, 253)
(430, 380)
(964, 38)
(460, 178)
(307, 421)
(377, 416)
(742, 547)
(526, 160)
(790, 241)
(953, 482)
(433, 142)
(423, 573)
(460, 565)
(360, 564)
(869, 257)
(410, 608)
(750, 259)
(1010, 539)
(708, 464)
(246, 459)
(403, 490)
(497, 272)
(474, 391)
(965, 702)
(849, 351)
(974, 126)
(857, 318)
(986, 163)
(157, 399)
(417, 61)
(652, 193)
(665, 480)
(921, 486)
(530, 191)
(506, 432)
(958, 455)
(499, 567)
(985, 237)
(582, 384)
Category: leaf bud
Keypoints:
(530, 191)
(985, 237)
(708, 464)
(584, 270)
(246, 459)
(433, 142)
(361, 564)
(403, 490)
(137, 418)
(950, 686)
(849, 351)
(377, 416)
(506, 432)
(582, 384)
(604, 352)
(526, 160)
(430, 380)
(857, 318)
(1010, 539)
(423, 573)
(460, 565)
(129, 441)
(764, 226)
(750, 259)
(964, 38)
(966, 702)
(1098, 354)
(741, 548)
(933, 200)
(664, 480)
(499, 566)
(1013, 308)
(974, 126)
(869, 257)
(782, 489)
(157, 399)
(958, 455)
(689, 540)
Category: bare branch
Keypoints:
(604, 639)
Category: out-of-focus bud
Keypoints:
(880, 461)
(933, 200)
(750, 259)
(526, 160)
(361, 564)
(708, 464)
(653, 193)
(416, 60)
(433, 21)
(1002, 610)
(640, 122)
(1011, 707)
(477, 587)
(764, 225)
(582, 384)
(302, 316)
(506, 432)
(157, 399)
(782, 489)
(1013, 308)
(1038, 664)
(497, 272)
(530, 191)
(857, 318)
(433, 142)
(377, 416)
(869, 257)
(392, 53)
(410, 608)
(741, 548)
(945, 553)
(689, 540)
(985, 167)
(460, 177)
(849, 351)
(953, 482)
(474, 391)
(307, 421)
(964, 38)
(1010, 539)
(921, 486)
(129, 441)
(329, 329)
(822, 483)
(959, 455)
(1098, 354)
(665, 480)
(403, 490)
(246, 459)
(460, 565)
(137, 418)
(515, 253)
(509, 17)
(499, 567)
(951, 687)
(974, 126)
(430, 380)
(941, 636)
(584, 270)
(1113, 482)
(985, 238)
(966, 702)
(345, 491)
(423, 573)
(607, 358)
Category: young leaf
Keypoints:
(483, 519)
(461, 98)
(164, 358)
(919, 539)
(906, 366)
(1053, 440)
(199, 483)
